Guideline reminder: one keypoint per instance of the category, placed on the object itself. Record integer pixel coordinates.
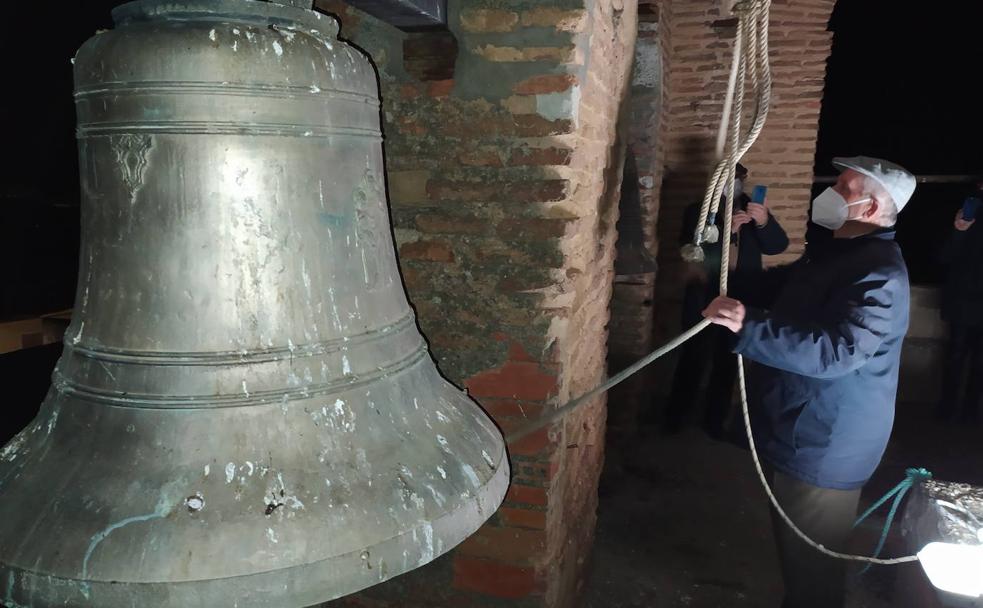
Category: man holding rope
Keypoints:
(755, 233)
(826, 332)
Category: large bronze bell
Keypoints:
(245, 414)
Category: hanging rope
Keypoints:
(613, 381)
(753, 27)
(742, 383)
(752, 66)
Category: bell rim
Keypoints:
(83, 593)
(465, 513)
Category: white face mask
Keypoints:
(738, 187)
(830, 210)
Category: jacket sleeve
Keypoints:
(857, 318)
(771, 237)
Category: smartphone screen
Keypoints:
(970, 206)
(760, 192)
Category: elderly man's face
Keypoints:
(850, 186)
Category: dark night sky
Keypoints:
(38, 110)
(900, 85)
(903, 83)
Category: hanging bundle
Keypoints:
(750, 69)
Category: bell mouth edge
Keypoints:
(357, 568)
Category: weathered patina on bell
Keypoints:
(245, 414)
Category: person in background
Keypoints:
(825, 333)
(755, 233)
(962, 309)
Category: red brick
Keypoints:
(462, 191)
(526, 495)
(534, 125)
(538, 472)
(480, 157)
(518, 353)
(513, 545)
(520, 284)
(511, 408)
(445, 224)
(431, 251)
(550, 83)
(357, 601)
(533, 227)
(495, 578)
(409, 91)
(430, 56)
(411, 277)
(522, 518)
(521, 125)
(408, 125)
(534, 444)
(508, 192)
(540, 156)
(514, 380)
(450, 341)
(441, 88)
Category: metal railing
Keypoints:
(922, 179)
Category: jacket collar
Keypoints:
(820, 241)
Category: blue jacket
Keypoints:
(829, 345)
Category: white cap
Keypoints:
(898, 182)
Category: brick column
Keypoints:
(503, 178)
(783, 156)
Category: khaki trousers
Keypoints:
(813, 580)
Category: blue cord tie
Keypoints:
(913, 476)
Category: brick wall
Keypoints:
(503, 172)
(783, 156)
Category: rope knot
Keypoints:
(918, 475)
(692, 253)
(748, 6)
(711, 234)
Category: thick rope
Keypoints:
(774, 501)
(752, 28)
(728, 100)
(613, 381)
(711, 198)
(751, 43)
